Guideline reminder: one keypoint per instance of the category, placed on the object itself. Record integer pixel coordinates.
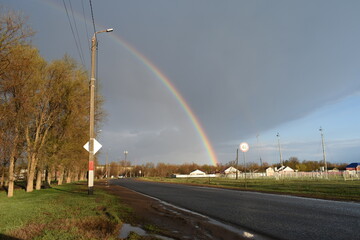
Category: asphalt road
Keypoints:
(275, 216)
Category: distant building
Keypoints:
(194, 174)
(197, 173)
(231, 170)
(285, 169)
(334, 170)
(282, 170)
(353, 166)
(270, 172)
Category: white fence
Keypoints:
(341, 175)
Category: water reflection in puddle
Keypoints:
(127, 228)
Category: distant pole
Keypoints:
(323, 148)
(237, 159)
(257, 137)
(107, 169)
(126, 153)
(92, 111)
(244, 147)
(245, 168)
(278, 137)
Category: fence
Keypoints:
(340, 175)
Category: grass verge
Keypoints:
(318, 188)
(61, 212)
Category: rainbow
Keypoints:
(166, 82)
(180, 99)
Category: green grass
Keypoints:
(315, 188)
(61, 212)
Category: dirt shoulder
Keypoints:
(169, 221)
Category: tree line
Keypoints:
(124, 168)
(44, 110)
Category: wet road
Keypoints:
(276, 216)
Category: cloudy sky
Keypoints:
(245, 68)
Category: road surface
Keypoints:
(275, 216)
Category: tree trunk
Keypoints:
(2, 177)
(38, 179)
(31, 173)
(48, 176)
(11, 174)
(61, 176)
(76, 176)
(68, 177)
(11, 178)
(82, 176)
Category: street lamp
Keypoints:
(92, 111)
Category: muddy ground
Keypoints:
(169, 221)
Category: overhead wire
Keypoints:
(92, 15)
(77, 33)
(73, 33)
(86, 27)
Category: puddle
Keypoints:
(127, 228)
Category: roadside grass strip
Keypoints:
(61, 212)
(314, 188)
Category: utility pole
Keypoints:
(244, 147)
(237, 159)
(92, 111)
(278, 137)
(323, 148)
(245, 169)
(257, 137)
(107, 169)
(126, 153)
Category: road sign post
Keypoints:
(92, 147)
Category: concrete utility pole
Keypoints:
(245, 169)
(92, 111)
(244, 147)
(323, 147)
(258, 143)
(237, 159)
(278, 137)
(126, 153)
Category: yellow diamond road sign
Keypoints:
(97, 146)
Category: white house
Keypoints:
(194, 174)
(231, 170)
(282, 170)
(270, 171)
(285, 169)
(197, 173)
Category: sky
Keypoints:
(188, 80)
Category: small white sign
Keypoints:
(97, 146)
(244, 147)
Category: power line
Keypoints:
(73, 33)
(77, 33)
(92, 16)
(86, 27)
